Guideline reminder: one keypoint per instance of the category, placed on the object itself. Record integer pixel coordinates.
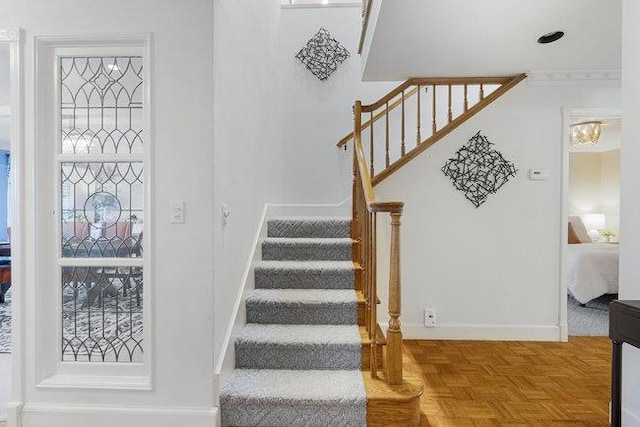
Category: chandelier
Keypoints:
(585, 133)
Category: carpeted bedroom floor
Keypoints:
(590, 319)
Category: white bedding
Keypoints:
(592, 270)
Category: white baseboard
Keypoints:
(481, 332)
(14, 414)
(564, 332)
(50, 415)
(630, 419)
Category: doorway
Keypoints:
(591, 218)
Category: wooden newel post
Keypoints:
(394, 333)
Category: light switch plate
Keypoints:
(177, 212)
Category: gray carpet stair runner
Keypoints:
(298, 359)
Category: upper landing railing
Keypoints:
(418, 113)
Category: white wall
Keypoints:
(610, 189)
(182, 145)
(248, 142)
(317, 114)
(630, 200)
(594, 186)
(491, 272)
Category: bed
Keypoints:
(592, 270)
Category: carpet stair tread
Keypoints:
(298, 347)
(302, 296)
(300, 306)
(310, 240)
(309, 227)
(304, 249)
(260, 397)
(294, 386)
(305, 265)
(304, 274)
(300, 334)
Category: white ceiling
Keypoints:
(5, 97)
(429, 38)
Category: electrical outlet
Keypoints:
(429, 317)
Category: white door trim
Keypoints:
(49, 370)
(15, 38)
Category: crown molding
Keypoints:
(574, 77)
(10, 35)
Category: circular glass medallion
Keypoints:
(102, 209)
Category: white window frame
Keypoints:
(52, 372)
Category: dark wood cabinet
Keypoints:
(624, 327)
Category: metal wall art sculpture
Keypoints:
(478, 169)
(322, 54)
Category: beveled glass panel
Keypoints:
(102, 318)
(101, 105)
(102, 208)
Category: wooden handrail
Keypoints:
(438, 81)
(364, 234)
(428, 81)
(348, 137)
(443, 111)
(448, 128)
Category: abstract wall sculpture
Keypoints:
(322, 54)
(478, 169)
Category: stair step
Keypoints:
(307, 248)
(299, 306)
(298, 347)
(326, 227)
(304, 275)
(256, 397)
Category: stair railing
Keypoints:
(420, 112)
(445, 104)
(364, 233)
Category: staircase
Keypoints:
(299, 358)
(312, 319)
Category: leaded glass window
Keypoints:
(102, 207)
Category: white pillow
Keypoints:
(580, 229)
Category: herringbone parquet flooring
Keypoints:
(485, 383)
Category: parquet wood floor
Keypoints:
(486, 383)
